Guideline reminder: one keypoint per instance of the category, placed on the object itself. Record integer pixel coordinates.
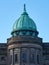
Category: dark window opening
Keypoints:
(24, 57)
(38, 59)
(17, 33)
(32, 58)
(10, 59)
(16, 58)
(24, 32)
(30, 33)
(3, 59)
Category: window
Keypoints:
(30, 33)
(24, 32)
(16, 58)
(3, 59)
(24, 57)
(17, 33)
(32, 58)
(38, 59)
(10, 59)
(33, 34)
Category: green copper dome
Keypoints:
(24, 23)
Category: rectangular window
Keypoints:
(16, 58)
(38, 59)
(10, 59)
(24, 57)
(3, 59)
(32, 58)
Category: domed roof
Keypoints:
(24, 23)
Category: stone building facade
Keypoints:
(3, 54)
(24, 47)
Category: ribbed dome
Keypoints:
(24, 23)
